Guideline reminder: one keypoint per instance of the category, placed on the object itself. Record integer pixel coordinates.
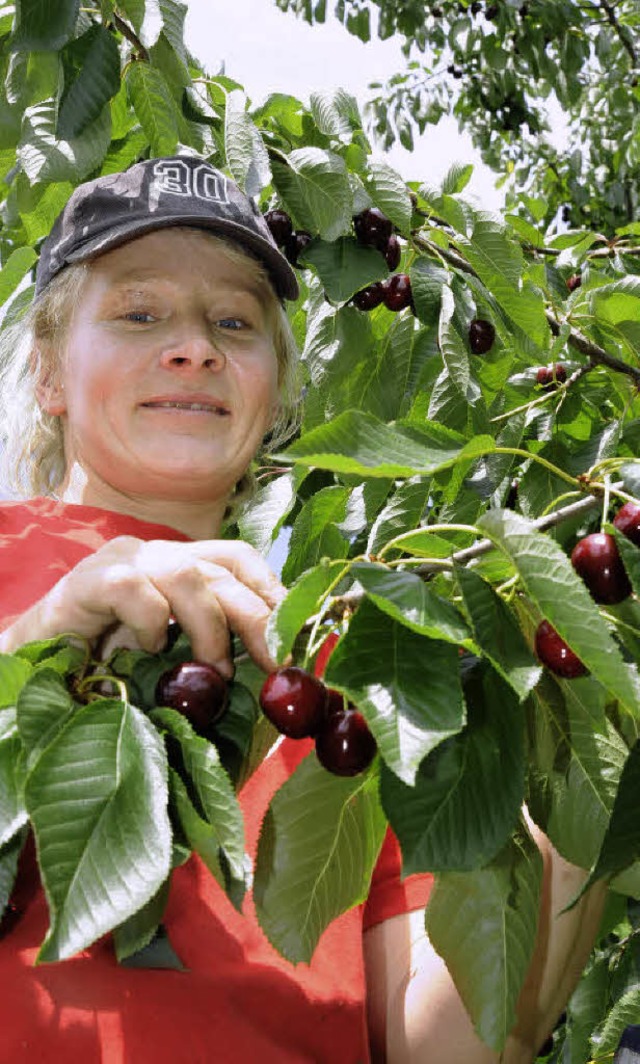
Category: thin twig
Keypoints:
(133, 39)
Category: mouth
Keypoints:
(198, 406)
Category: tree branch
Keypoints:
(612, 18)
(126, 31)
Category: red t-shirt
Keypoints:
(239, 1001)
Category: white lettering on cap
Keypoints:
(176, 178)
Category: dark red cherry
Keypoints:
(574, 282)
(627, 521)
(553, 652)
(551, 376)
(373, 228)
(195, 689)
(482, 336)
(280, 225)
(294, 701)
(344, 745)
(397, 292)
(296, 244)
(597, 560)
(393, 252)
(369, 298)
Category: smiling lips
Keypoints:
(196, 403)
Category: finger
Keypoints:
(120, 592)
(210, 598)
(246, 565)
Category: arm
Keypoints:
(415, 1013)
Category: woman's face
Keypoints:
(169, 376)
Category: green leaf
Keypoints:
(406, 598)
(45, 158)
(400, 514)
(344, 266)
(97, 799)
(427, 284)
(44, 25)
(136, 933)
(19, 262)
(44, 707)
(390, 193)
(158, 954)
(314, 186)
(335, 112)
(97, 81)
(13, 814)
(211, 784)
(468, 792)
(245, 152)
(356, 442)
(454, 351)
(551, 582)
(9, 856)
(630, 555)
(151, 99)
(315, 534)
(407, 686)
(497, 632)
(260, 524)
(484, 924)
(617, 302)
(457, 178)
(14, 673)
(621, 843)
(318, 846)
(302, 601)
(623, 1013)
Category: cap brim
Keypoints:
(282, 274)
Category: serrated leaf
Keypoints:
(406, 598)
(356, 442)
(137, 932)
(457, 178)
(9, 856)
(389, 193)
(344, 266)
(314, 185)
(468, 792)
(630, 473)
(630, 555)
(621, 843)
(302, 601)
(245, 152)
(212, 786)
(155, 108)
(159, 954)
(97, 81)
(551, 582)
(427, 283)
(318, 846)
(97, 799)
(14, 673)
(19, 262)
(497, 632)
(407, 686)
(454, 352)
(44, 25)
(260, 524)
(400, 514)
(484, 924)
(315, 534)
(13, 814)
(335, 112)
(44, 707)
(45, 158)
(624, 1012)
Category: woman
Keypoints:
(160, 357)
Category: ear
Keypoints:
(49, 387)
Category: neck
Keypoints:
(197, 519)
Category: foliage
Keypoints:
(433, 496)
(496, 67)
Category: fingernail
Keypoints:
(225, 668)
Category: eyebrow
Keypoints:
(129, 278)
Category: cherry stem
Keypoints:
(606, 500)
(518, 453)
(105, 677)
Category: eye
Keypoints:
(140, 317)
(230, 323)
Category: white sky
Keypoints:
(268, 51)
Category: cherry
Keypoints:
(294, 701)
(344, 745)
(397, 292)
(574, 282)
(370, 297)
(482, 336)
(627, 521)
(596, 559)
(296, 244)
(280, 225)
(373, 228)
(551, 376)
(393, 252)
(195, 689)
(491, 11)
(511, 500)
(555, 654)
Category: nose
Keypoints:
(194, 349)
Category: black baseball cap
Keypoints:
(155, 194)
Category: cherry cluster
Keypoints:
(292, 241)
(374, 230)
(597, 560)
(301, 706)
(549, 377)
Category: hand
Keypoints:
(209, 586)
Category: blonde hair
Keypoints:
(30, 350)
